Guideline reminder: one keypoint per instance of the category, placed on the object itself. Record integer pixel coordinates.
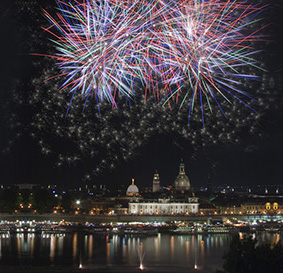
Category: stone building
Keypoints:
(164, 206)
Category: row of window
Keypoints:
(255, 207)
(150, 206)
(163, 212)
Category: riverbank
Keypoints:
(84, 218)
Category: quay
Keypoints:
(99, 219)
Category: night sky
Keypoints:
(250, 157)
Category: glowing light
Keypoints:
(99, 47)
(183, 52)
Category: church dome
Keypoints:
(132, 190)
(182, 182)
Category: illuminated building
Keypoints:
(156, 182)
(182, 182)
(262, 207)
(164, 206)
(180, 202)
(132, 190)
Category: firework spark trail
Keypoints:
(204, 48)
(200, 48)
(99, 48)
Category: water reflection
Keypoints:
(90, 246)
(156, 246)
(107, 250)
(172, 247)
(31, 245)
(187, 248)
(75, 245)
(52, 247)
(19, 244)
(98, 250)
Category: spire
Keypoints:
(133, 181)
(182, 167)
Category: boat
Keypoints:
(221, 229)
(141, 230)
(186, 230)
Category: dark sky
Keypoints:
(256, 160)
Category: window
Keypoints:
(275, 206)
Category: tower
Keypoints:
(156, 182)
(182, 182)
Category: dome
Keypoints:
(182, 182)
(132, 190)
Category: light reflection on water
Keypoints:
(98, 250)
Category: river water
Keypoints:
(162, 253)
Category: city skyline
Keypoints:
(32, 151)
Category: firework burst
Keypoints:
(99, 46)
(202, 49)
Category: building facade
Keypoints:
(263, 207)
(164, 206)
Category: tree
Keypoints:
(8, 201)
(25, 200)
(66, 202)
(44, 201)
(245, 256)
